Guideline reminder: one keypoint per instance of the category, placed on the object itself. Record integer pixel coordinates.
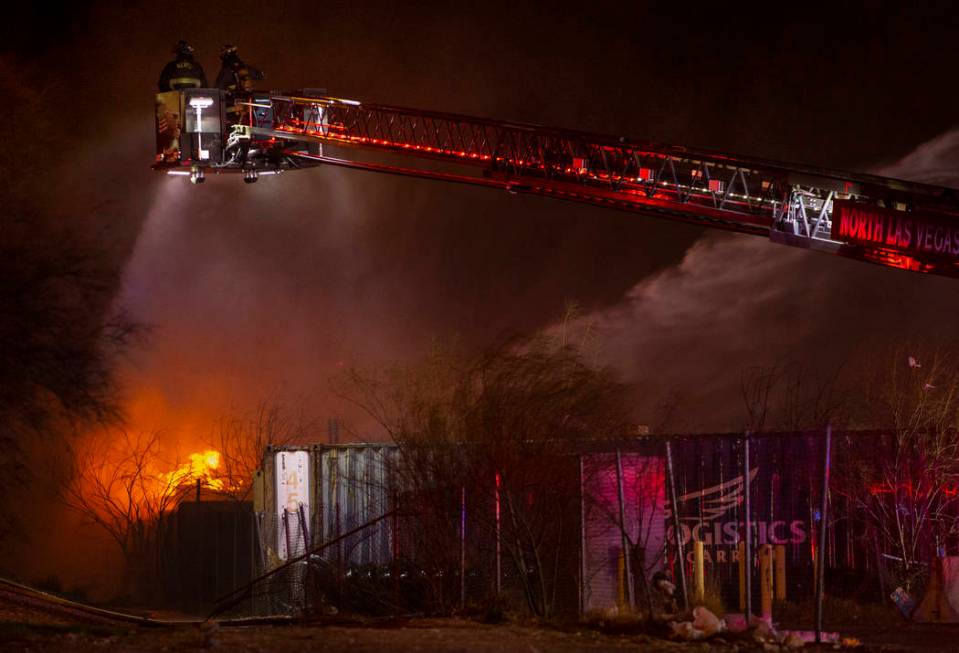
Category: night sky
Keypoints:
(269, 290)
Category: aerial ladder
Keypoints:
(889, 222)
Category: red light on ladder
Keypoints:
(715, 186)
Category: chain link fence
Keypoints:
(376, 529)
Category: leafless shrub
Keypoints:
(497, 429)
(241, 439)
(904, 480)
(117, 484)
(791, 397)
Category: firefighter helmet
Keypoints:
(183, 49)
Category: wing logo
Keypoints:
(714, 501)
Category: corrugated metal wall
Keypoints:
(354, 486)
(644, 512)
(350, 485)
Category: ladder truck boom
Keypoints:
(886, 221)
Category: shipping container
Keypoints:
(326, 493)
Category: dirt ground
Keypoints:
(903, 636)
(419, 635)
(28, 624)
(428, 635)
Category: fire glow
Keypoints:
(202, 466)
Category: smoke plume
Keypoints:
(737, 302)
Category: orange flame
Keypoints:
(202, 466)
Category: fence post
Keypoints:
(463, 548)
(291, 580)
(261, 559)
(252, 560)
(286, 532)
(677, 534)
(499, 555)
(766, 581)
(699, 571)
(582, 539)
(623, 536)
(780, 572)
(741, 550)
(820, 557)
(748, 535)
(307, 577)
(395, 549)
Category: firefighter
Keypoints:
(667, 592)
(182, 72)
(235, 76)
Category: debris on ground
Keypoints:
(704, 624)
(31, 623)
(707, 622)
(903, 601)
